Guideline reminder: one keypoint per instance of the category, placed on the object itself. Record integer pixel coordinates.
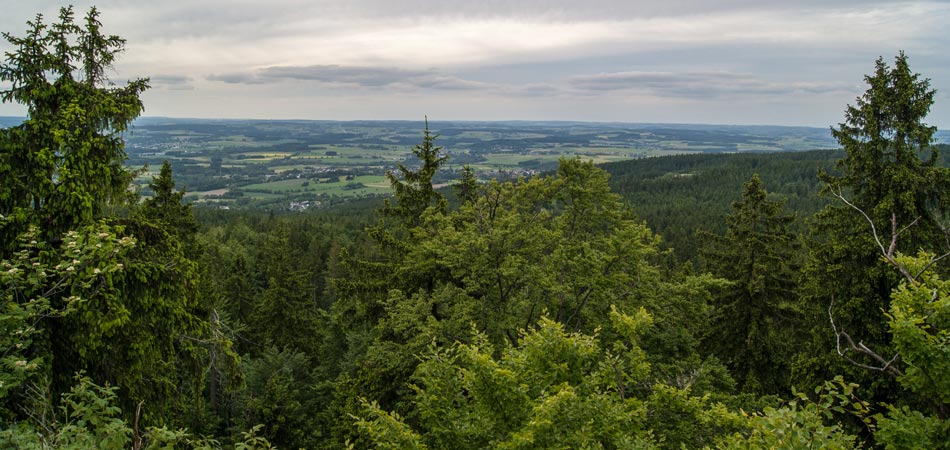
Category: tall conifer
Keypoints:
(889, 175)
(754, 315)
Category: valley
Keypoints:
(271, 164)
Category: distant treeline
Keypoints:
(678, 195)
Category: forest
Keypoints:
(783, 301)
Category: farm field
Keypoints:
(271, 164)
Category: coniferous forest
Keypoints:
(781, 301)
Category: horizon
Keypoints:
(431, 121)
(940, 130)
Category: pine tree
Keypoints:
(166, 207)
(467, 186)
(285, 315)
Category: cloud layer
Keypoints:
(738, 61)
(351, 76)
(700, 85)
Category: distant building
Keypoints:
(303, 206)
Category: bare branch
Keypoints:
(888, 253)
(841, 197)
(136, 434)
(894, 221)
(887, 365)
(930, 264)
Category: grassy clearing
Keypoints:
(302, 166)
(509, 160)
(391, 152)
(371, 184)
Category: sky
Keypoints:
(778, 62)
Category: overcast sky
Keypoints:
(781, 62)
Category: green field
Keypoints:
(371, 184)
(244, 162)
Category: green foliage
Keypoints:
(498, 324)
(40, 284)
(552, 389)
(64, 163)
(561, 246)
(285, 314)
(890, 174)
(145, 336)
(269, 271)
(678, 195)
(753, 331)
(88, 417)
(564, 244)
(804, 422)
(919, 322)
(682, 419)
(904, 428)
(251, 441)
(467, 187)
(414, 192)
(276, 397)
(167, 208)
(884, 137)
(139, 328)
(73, 293)
(365, 278)
(386, 430)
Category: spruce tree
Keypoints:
(412, 188)
(139, 323)
(755, 314)
(888, 188)
(166, 207)
(64, 163)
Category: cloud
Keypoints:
(450, 83)
(237, 78)
(189, 12)
(353, 76)
(535, 90)
(172, 82)
(697, 85)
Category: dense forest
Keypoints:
(712, 301)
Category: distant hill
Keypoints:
(816, 134)
(678, 195)
(8, 121)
